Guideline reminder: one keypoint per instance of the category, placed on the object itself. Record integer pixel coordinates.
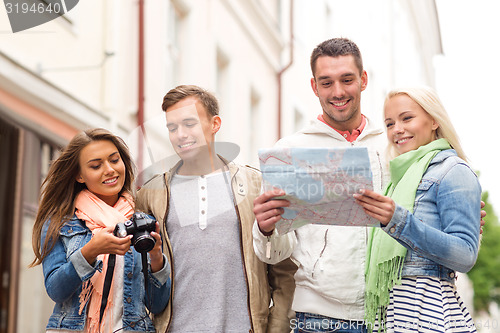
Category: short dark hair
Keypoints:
(336, 47)
(178, 93)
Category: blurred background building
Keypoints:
(109, 64)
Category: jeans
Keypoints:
(309, 322)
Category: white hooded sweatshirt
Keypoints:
(330, 279)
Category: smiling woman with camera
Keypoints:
(92, 273)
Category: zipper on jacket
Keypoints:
(381, 171)
(318, 261)
(268, 247)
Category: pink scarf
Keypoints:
(97, 216)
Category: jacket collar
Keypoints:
(442, 155)
(318, 126)
(73, 225)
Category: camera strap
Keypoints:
(144, 257)
(109, 278)
(107, 284)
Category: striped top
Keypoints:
(427, 304)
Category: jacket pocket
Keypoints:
(425, 184)
(72, 236)
(423, 189)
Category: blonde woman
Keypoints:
(430, 221)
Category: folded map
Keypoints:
(319, 183)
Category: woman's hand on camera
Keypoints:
(156, 254)
(104, 242)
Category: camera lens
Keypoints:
(144, 242)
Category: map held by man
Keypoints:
(319, 183)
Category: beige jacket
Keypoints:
(263, 281)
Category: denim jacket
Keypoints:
(442, 233)
(65, 269)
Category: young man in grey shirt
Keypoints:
(205, 205)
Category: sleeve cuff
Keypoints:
(82, 267)
(397, 222)
(163, 274)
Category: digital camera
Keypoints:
(140, 227)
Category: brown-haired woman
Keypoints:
(87, 191)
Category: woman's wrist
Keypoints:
(88, 253)
(156, 260)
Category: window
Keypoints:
(175, 30)
(253, 138)
(25, 163)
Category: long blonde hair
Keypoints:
(428, 100)
(60, 188)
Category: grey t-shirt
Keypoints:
(210, 292)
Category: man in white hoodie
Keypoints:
(330, 280)
(330, 283)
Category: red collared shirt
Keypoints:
(350, 137)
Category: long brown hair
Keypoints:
(60, 188)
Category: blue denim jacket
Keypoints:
(65, 269)
(442, 234)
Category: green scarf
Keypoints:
(385, 256)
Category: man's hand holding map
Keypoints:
(319, 183)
